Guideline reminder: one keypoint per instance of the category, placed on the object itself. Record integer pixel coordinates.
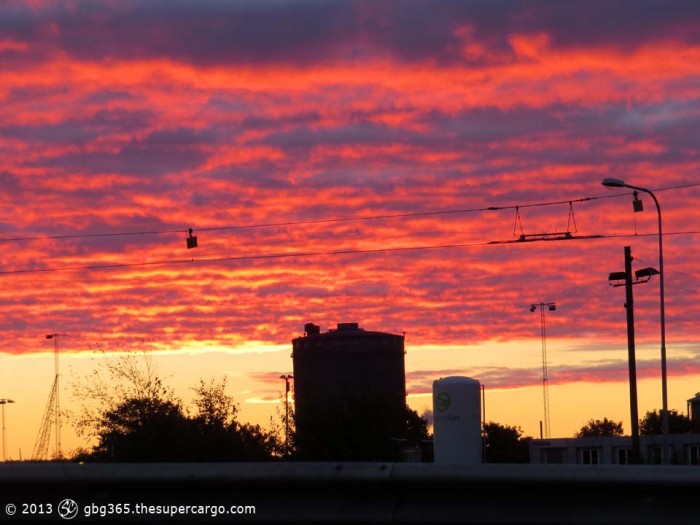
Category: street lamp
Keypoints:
(625, 279)
(286, 378)
(4, 402)
(617, 183)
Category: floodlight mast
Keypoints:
(4, 402)
(617, 183)
(57, 403)
(545, 374)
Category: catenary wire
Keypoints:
(332, 220)
(297, 223)
(283, 255)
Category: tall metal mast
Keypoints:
(545, 374)
(52, 414)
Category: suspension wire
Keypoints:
(572, 218)
(307, 222)
(518, 222)
(282, 255)
(239, 258)
(294, 223)
(330, 220)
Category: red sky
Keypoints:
(157, 116)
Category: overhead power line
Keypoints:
(283, 255)
(328, 220)
(299, 223)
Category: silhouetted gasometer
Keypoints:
(349, 394)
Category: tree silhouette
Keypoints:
(111, 383)
(600, 427)
(650, 424)
(218, 434)
(283, 429)
(140, 420)
(416, 428)
(141, 430)
(215, 409)
(505, 444)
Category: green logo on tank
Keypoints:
(443, 401)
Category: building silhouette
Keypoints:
(682, 446)
(694, 412)
(349, 394)
(683, 449)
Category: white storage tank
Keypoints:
(457, 423)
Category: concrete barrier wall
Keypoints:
(368, 492)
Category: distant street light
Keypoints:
(545, 375)
(625, 279)
(617, 183)
(286, 378)
(4, 402)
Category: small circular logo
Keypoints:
(68, 509)
(443, 401)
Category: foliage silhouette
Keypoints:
(113, 381)
(650, 424)
(220, 436)
(598, 427)
(505, 444)
(282, 429)
(138, 419)
(141, 430)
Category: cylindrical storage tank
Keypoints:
(349, 394)
(457, 421)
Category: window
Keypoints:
(590, 456)
(552, 455)
(654, 455)
(694, 454)
(623, 456)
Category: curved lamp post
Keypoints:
(617, 183)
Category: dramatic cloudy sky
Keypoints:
(349, 161)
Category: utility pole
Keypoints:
(631, 355)
(641, 276)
